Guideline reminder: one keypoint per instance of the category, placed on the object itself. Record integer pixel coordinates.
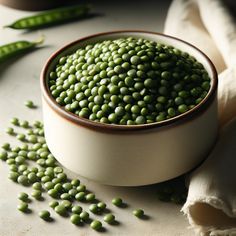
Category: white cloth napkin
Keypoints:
(211, 201)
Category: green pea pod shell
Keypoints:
(52, 17)
(14, 49)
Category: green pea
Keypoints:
(90, 197)
(67, 186)
(65, 196)
(80, 196)
(138, 213)
(53, 193)
(96, 225)
(10, 131)
(109, 218)
(45, 215)
(37, 194)
(84, 215)
(37, 186)
(66, 203)
(60, 209)
(22, 179)
(101, 205)
(117, 201)
(6, 146)
(23, 207)
(15, 121)
(75, 219)
(23, 197)
(3, 155)
(13, 175)
(53, 204)
(76, 209)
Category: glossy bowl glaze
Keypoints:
(130, 155)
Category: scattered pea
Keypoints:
(66, 203)
(60, 209)
(23, 207)
(117, 202)
(138, 213)
(45, 215)
(75, 219)
(94, 208)
(109, 218)
(37, 194)
(29, 104)
(84, 215)
(76, 209)
(53, 204)
(96, 225)
(90, 197)
(23, 196)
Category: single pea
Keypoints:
(84, 215)
(37, 194)
(80, 196)
(65, 196)
(6, 146)
(60, 209)
(37, 186)
(53, 204)
(53, 193)
(13, 175)
(102, 205)
(138, 213)
(49, 185)
(96, 225)
(22, 179)
(29, 104)
(24, 124)
(182, 108)
(81, 188)
(21, 137)
(58, 170)
(15, 121)
(117, 201)
(94, 208)
(73, 192)
(90, 197)
(23, 207)
(67, 204)
(109, 218)
(76, 209)
(67, 186)
(10, 131)
(75, 219)
(23, 197)
(3, 155)
(45, 215)
(32, 177)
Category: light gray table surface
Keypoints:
(19, 81)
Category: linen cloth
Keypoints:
(211, 201)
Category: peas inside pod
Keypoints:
(128, 81)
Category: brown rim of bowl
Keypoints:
(187, 116)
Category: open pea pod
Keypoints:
(11, 50)
(52, 17)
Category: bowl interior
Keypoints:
(177, 43)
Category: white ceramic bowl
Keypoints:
(130, 155)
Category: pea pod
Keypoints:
(16, 48)
(52, 17)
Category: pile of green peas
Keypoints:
(32, 164)
(128, 81)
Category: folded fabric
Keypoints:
(211, 202)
